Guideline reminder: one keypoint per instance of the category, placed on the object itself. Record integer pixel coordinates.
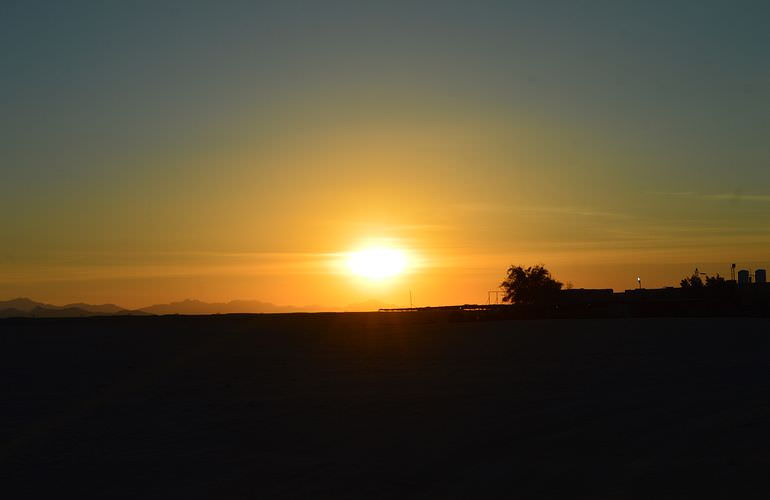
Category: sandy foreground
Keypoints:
(379, 405)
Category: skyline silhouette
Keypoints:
(699, 284)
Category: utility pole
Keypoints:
(411, 303)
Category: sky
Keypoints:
(157, 151)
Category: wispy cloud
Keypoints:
(502, 208)
(734, 197)
(737, 197)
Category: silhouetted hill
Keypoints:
(191, 306)
(24, 307)
(70, 312)
(100, 308)
(23, 304)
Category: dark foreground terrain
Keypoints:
(384, 406)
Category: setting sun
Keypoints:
(377, 263)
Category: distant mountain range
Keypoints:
(24, 307)
(191, 306)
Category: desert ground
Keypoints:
(379, 405)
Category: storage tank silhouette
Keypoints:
(760, 276)
(743, 277)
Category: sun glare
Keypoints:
(377, 263)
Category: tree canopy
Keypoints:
(716, 282)
(713, 286)
(693, 282)
(529, 285)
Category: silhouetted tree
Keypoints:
(713, 287)
(693, 282)
(530, 285)
(715, 282)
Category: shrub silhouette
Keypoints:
(529, 286)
